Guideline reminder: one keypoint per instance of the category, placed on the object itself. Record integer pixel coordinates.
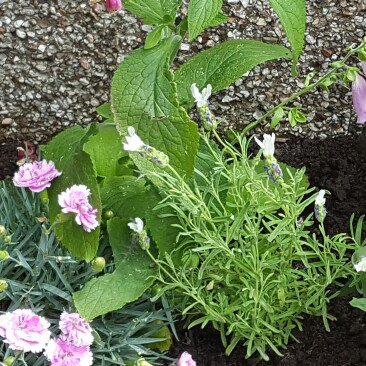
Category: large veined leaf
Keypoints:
(66, 151)
(201, 14)
(292, 14)
(105, 150)
(154, 11)
(131, 278)
(223, 64)
(144, 96)
(128, 197)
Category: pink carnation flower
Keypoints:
(76, 330)
(113, 5)
(62, 353)
(36, 176)
(185, 359)
(75, 200)
(25, 331)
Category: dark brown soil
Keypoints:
(338, 165)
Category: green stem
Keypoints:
(304, 90)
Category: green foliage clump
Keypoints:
(249, 260)
(41, 275)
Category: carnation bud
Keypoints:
(113, 5)
(4, 255)
(98, 264)
(3, 285)
(2, 230)
(7, 239)
(108, 214)
(9, 361)
(142, 362)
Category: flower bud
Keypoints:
(142, 362)
(3, 285)
(113, 5)
(2, 230)
(9, 361)
(108, 214)
(4, 255)
(98, 264)
(7, 239)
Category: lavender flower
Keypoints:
(359, 97)
(36, 176)
(272, 168)
(319, 208)
(135, 144)
(138, 227)
(208, 119)
(75, 200)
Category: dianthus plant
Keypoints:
(250, 260)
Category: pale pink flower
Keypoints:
(185, 359)
(75, 329)
(4, 319)
(113, 5)
(75, 200)
(359, 97)
(62, 353)
(25, 331)
(36, 176)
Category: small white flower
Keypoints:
(134, 143)
(267, 145)
(361, 265)
(201, 99)
(320, 200)
(137, 225)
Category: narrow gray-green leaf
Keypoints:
(201, 14)
(222, 65)
(292, 14)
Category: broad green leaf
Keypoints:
(219, 19)
(154, 11)
(105, 150)
(222, 65)
(292, 14)
(105, 111)
(129, 197)
(66, 151)
(153, 37)
(201, 14)
(144, 96)
(132, 277)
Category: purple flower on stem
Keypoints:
(24, 330)
(63, 353)
(75, 200)
(36, 176)
(113, 5)
(185, 359)
(359, 97)
(75, 329)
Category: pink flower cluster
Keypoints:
(72, 348)
(36, 176)
(24, 330)
(75, 200)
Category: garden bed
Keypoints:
(338, 165)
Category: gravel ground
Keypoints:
(57, 59)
